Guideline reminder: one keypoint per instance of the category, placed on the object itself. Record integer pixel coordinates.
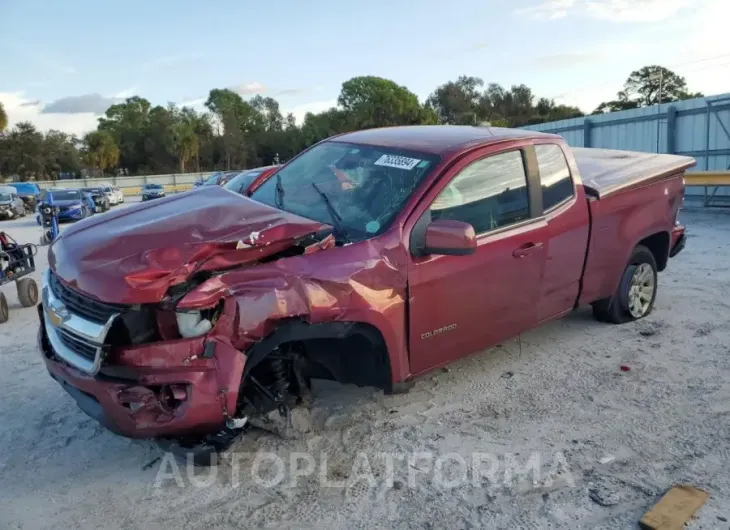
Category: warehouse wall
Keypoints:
(696, 127)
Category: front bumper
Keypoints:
(150, 197)
(129, 390)
(71, 215)
(678, 240)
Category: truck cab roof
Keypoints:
(438, 139)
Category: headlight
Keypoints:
(192, 324)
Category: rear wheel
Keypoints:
(27, 292)
(4, 311)
(634, 298)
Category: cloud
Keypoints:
(127, 92)
(87, 103)
(247, 89)
(19, 108)
(564, 60)
(171, 60)
(34, 103)
(609, 10)
(299, 111)
(479, 45)
(197, 102)
(292, 92)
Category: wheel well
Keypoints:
(347, 352)
(658, 244)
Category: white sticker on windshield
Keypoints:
(400, 162)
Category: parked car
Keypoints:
(72, 204)
(220, 178)
(243, 182)
(29, 192)
(152, 191)
(100, 199)
(11, 205)
(111, 194)
(370, 258)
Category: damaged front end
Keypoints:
(222, 326)
(125, 368)
(154, 370)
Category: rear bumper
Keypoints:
(131, 394)
(679, 240)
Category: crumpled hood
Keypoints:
(133, 255)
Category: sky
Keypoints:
(63, 63)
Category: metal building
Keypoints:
(694, 127)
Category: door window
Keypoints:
(557, 185)
(488, 194)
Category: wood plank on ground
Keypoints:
(673, 510)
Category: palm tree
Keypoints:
(185, 141)
(100, 150)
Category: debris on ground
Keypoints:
(604, 494)
(625, 368)
(673, 510)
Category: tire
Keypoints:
(636, 293)
(27, 292)
(4, 311)
(22, 212)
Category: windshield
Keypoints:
(66, 195)
(5, 197)
(25, 189)
(91, 190)
(365, 186)
(213, 179)
(153, 187)
(242, 180)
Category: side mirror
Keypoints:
(450, 238)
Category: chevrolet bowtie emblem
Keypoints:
(57, 313)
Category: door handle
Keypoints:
(527, 249)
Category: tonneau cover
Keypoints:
(606, 171)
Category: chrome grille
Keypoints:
(82, 305)
(78, 344)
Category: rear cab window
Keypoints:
(556, 181)
(490, 193)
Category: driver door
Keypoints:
(462, 304)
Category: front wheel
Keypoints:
(636, 292)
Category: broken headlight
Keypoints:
(192, 323)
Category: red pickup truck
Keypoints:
(370, 258)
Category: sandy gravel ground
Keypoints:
(545, 432)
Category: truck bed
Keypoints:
(607, 171)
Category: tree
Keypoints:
(61, 154)
(100, 151)
(185, 141)
(3, 118)
(458, 102)
(237, 119)
(22, 152)
(127, 123)
(647, 86)
(376, 102)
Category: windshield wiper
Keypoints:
(336, 219)
(279, 197)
